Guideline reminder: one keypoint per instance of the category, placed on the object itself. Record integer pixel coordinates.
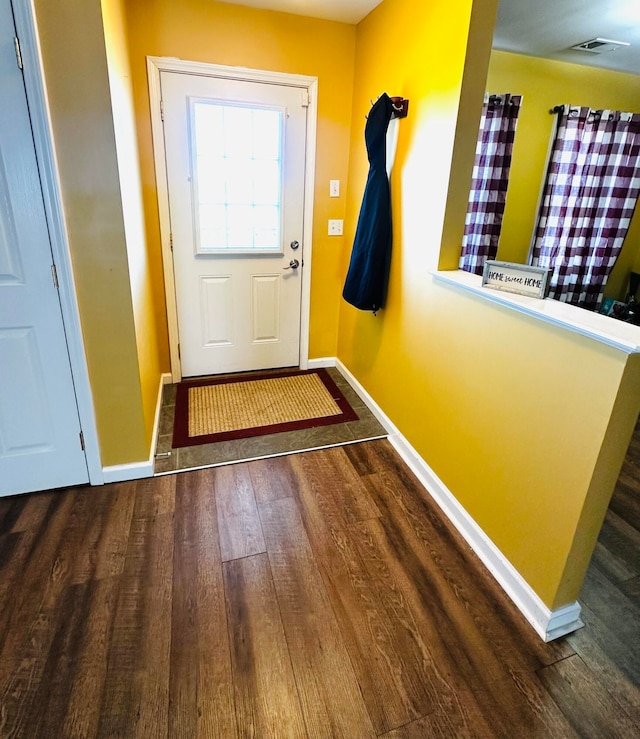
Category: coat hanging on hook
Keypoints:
(366, 283)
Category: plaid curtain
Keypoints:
(589, 198)
(490, 180)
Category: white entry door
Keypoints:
(40, 444)
(235, 158)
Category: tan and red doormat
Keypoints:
(216, 409)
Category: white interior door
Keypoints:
(235, 158)
(39, 428)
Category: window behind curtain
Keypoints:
(488, 193)
(589, 197)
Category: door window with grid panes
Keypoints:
(236, 176)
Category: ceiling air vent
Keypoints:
(599, 45)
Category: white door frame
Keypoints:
(26, 28)
(309, 88)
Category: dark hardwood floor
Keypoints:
(320, 594)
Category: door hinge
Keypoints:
(306, 99)
(171, 241)
(82, 440)
(179, 357)
(161, 110)
(16, 43)
(54, 274)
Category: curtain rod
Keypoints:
(560, 109)
(500, 99)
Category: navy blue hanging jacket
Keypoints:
(366, 283)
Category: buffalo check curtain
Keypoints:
(589, 197)
(490, 179)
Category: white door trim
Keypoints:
(156, 65)
(24, 16)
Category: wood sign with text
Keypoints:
(521, 279)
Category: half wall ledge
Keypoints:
(618, 334)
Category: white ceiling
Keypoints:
(545, 28)
(347, 11)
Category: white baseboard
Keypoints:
(138, 470)
(124, 472)
(321, 362)
(548, 624)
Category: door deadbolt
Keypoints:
(294, 245)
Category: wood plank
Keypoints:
(446, 724)
(391, 661)
(266, 699)
(486, 689)
(342, 497)
(613, 624)
(401, 497)
(13, 553)
(442, 685)
(610, 564)
(184, 660)
(201, 687)
(375, 456)
(90, 668)
(618, 548)
(158, 495)
(216, 701)
(502, 684)
(590, 709)
(621, 614)
(608, 657)
(460, 613)
(631, 590)
(102, 552)
(272, 479)
(49, 706)
(136, 695)
(11, 509)
(68, 701)
(36, 507)
(364, 457)
(626, 501)
(329, 693)
(238, 520)
(30, 621)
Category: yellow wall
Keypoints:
(205, 31)
(75, 67)
(545, 84)
(144, 296)
(515, 416)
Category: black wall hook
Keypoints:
(400, 107)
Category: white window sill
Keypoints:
(621, 335)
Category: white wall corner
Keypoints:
(139, 470)
(548, 624)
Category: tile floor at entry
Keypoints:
(224, 452)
